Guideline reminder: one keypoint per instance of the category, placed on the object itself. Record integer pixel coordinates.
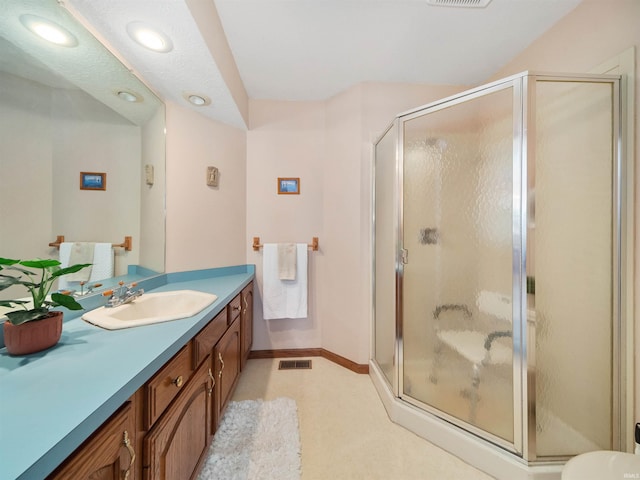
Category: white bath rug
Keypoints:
(256, 440)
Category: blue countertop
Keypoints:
(51, 401)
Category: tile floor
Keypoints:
(344, 429)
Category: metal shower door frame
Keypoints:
(524, 375)
(519, 218)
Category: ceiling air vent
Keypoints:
(460, 3)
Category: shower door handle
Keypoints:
(405, 256)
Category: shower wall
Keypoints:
(500, 222)
(572, 237)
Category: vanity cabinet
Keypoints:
(164, 431)
(246, 323)
(226, 368)
(176, 445)
(109, 454)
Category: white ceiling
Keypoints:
(313, 49)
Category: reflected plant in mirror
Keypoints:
(63, 111)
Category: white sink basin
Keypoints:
(151, 308)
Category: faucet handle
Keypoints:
(107, 293)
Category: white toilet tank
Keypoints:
(602, 465)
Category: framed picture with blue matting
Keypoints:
(93, 181)
(288, 186)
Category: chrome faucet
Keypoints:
(121, 295)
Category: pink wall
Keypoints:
(205, 225)
(329, 146)
(286, 139)
(591, 34)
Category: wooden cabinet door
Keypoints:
(226, 360)
(246, 325)
(108, 454)
(177, 444)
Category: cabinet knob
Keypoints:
(177, 381)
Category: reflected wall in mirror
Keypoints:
(61, 113)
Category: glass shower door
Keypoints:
(457, 278)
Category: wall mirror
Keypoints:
(66, 107)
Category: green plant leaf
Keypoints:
(40, 263)
(45, 272)
(22, 316)
(8, 261)
(70, 269)
(66, 301)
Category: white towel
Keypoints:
(102, 262)
(81, 252)
(284, 298)
(101, 269)
(287, 253)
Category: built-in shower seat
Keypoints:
(480, 349)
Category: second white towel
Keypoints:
(284, 298)
(101, 269)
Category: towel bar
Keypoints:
(127, 244)
(313, 245)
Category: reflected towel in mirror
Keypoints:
(101, 269)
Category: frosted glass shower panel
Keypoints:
(572, 261)
(385, 224)
(457, 285)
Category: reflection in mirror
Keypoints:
(67, 108)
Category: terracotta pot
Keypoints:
(33, 336)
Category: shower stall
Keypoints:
(499, 267)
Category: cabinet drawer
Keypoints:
(234, 309)
(204, 341)
(166, 384)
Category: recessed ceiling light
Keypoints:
(48, 30)
(197, 99)
(128, 96)
(149, 37)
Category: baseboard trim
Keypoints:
(312, 352)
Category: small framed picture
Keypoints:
(288, 186)
(93, 181)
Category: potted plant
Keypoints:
(33, 326)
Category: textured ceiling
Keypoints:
(88, 66)
(313, 49)
(188, 68)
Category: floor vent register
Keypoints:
(294, 364)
